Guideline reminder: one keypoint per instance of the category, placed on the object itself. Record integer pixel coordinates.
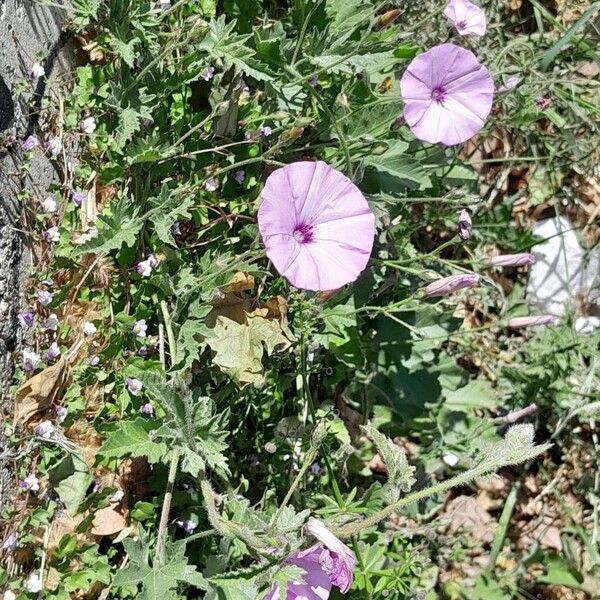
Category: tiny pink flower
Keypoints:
(31, 483)
(467, 17)
(37, 71)
(44, 297)
(53, 146)
(45, 429)
(10, 543)
(89, 328)
(152, 261)
(26, 319)
(465, 225)
(448, 285)
(144, 268)
(31, 360)
(53, 351)
(30, 143)
(265, 131)
(140, 328)
(78, 197)
(134, 386)
(211, 185)
(61, 413)
(533, 321)
(208, 73)
(147, 409)
(512, 260)
(52, 322)
(94, 360)
(542, 102)
(88, 125)
(49, 205)
(447, 95)
(239, 176)
(510, 84)
(316, 225)
(187, 525)
(117, 496)
(52, 235)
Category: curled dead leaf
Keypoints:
(40, 391)
(109, 520)
(241, 282)
(387, 18)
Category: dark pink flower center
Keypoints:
(438, 94)
(461, 25)
(303, 233)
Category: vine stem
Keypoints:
(352, 528)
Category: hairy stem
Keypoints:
(166, 507)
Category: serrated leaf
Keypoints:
(129, 123)
(369, 62)
(400, 473)
(226, 46)
(125, 50)
(167, 209)
(71, 479)
(132, 438)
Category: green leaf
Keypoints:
(129, 123)
(167, 209)
(119, 225)
(357, 63)
(559, 572)
(226, 46)
(71, 479)
(400, 473)
(126, 51)
(476, 394)
(132, 438)
(397, 169)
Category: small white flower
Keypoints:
(211, 184)
(33, 584)
(208, 73)
(93, 360)
(89, 328)
(44, 297)
(54, 146)
(164, 4)
(31, 483)
(52, 234)
(31, 360)
(134, 386)
(140, 328)
(61, 413)
(152, 261)
(9, 595)
(450, 459)
(144, 268)
(37, 71)
(45, 429)
(88, 125)
(118, 496)
(49, 204)
(53, 351)
(51, 322)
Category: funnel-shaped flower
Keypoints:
(447, 95)
(447, 285)
(467, 17)
(532, 321)
(512, 260)
(316, 226)
(327, 564)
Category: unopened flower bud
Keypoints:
(533, 321)
(448, 285)
(512, 260)
(465, 225)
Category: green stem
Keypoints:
(166, 507)
(167, 319)
(352, 528)
(509, 506)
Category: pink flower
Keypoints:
(447, 285)
(316, 225)
(533, 321)
(466, 17)
(447, 95)
(510, 84)
(512, 260)
(326, 564)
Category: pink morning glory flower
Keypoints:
(316, 225)
(512, 260)
(134, 386)
(447, 95)
(467, 17)
(329, 563)
(147, 409)
(448, 285)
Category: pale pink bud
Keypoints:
(447, 285)
(533, 321)
(465, 225)
(512, 260)
(510, 84)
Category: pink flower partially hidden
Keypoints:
(467, 17)
(327, 564)
(447, 95)
(316, 225)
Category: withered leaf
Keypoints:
(40, 391)
(109, 520)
